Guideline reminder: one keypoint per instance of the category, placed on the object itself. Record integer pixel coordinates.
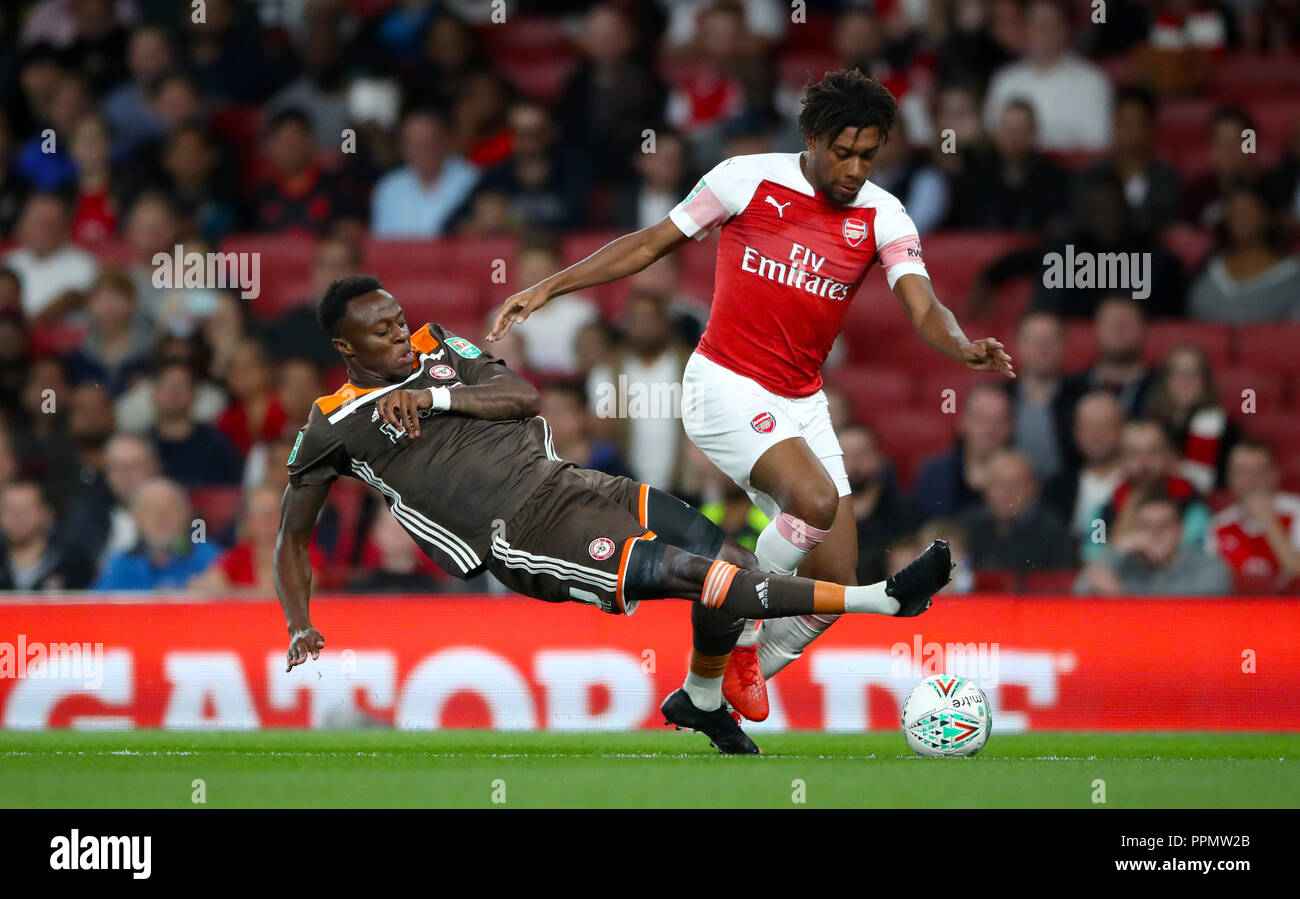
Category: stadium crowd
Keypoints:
(1149, 445)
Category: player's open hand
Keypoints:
(987, 354)
(401, 409)
(515, 311)
(305, 642)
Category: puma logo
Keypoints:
(780, 207)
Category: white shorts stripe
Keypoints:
(538, 564)
(459, 551)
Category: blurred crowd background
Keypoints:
(1148, 446)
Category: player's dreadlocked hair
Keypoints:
(334, 305)
(846, 99)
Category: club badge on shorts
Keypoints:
(854, 231)
(763, 422)
(601, 548)
(442, 372)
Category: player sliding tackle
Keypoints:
(451, 438)
(798, 233)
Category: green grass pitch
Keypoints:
(468, 769)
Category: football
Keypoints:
(946, 715)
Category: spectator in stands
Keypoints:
(1010, 186)
(175, 99)
(255, 413)
(1100, 255)
(1283, 181)
(1205, 198)
(971, 51)
(94, 217)
(593, 348)
(225, 52)
(879, 507)
(1071, 96)
(401, 567)
(166, 556)
(15, 348)
(1153, 557)
(1185, 400)
(46, 159)
(151, 228)
(952, 530)
(450, 55)
(320, 89)
(1042, 400)
(733, 79)
(13, 189)
(223, 331)
(90, 425)
(639, 393)
(551, 335)
(612, 96)
(1120, 331)
(54, 273)
(1150, 466)
(662, 179)
(952, 480)
(127, 109)
(299, 385)
(99, 48)
(40, 431)
(1253, 278)
(249, 564)
(1075, 494)
(909, 175)
(765, 19)
(959, 138)
(564, 406)
(1010, 530)
(135, 408)
(687, 312)
(194, 175)
(116, 348)
(543, 184)
(399, 30)
(296, 332)
(419, 199)
(479, 130)
(193, 453)
(32, 559)
(298, 194)
(1151, 185)
(99, 520)
(1258, 536)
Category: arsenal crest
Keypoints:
(854, 231)
(763, 422)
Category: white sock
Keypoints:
(870, 598)
(777, 554)
(705, 692)
(784, 639)
(749, 636)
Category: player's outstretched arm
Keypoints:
(936, 325)
(298, 511)
(617, 259)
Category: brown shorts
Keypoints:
(571, 540)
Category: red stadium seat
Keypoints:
(451, 304)
(954, 258)
(217, 506)
(873, 390)
(1242, 77)
(1270, 347)
(1046, 583)
(948, 375)
(1214, 339)
(284, 269)
(908, 436)
(1233, 380)
(58, 340)
(1281, 432)
(988, 580)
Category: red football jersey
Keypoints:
(789, 262)
(1241, 543)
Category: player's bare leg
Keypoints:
(791, 474)
(835, 560)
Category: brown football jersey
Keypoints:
(451, 486)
